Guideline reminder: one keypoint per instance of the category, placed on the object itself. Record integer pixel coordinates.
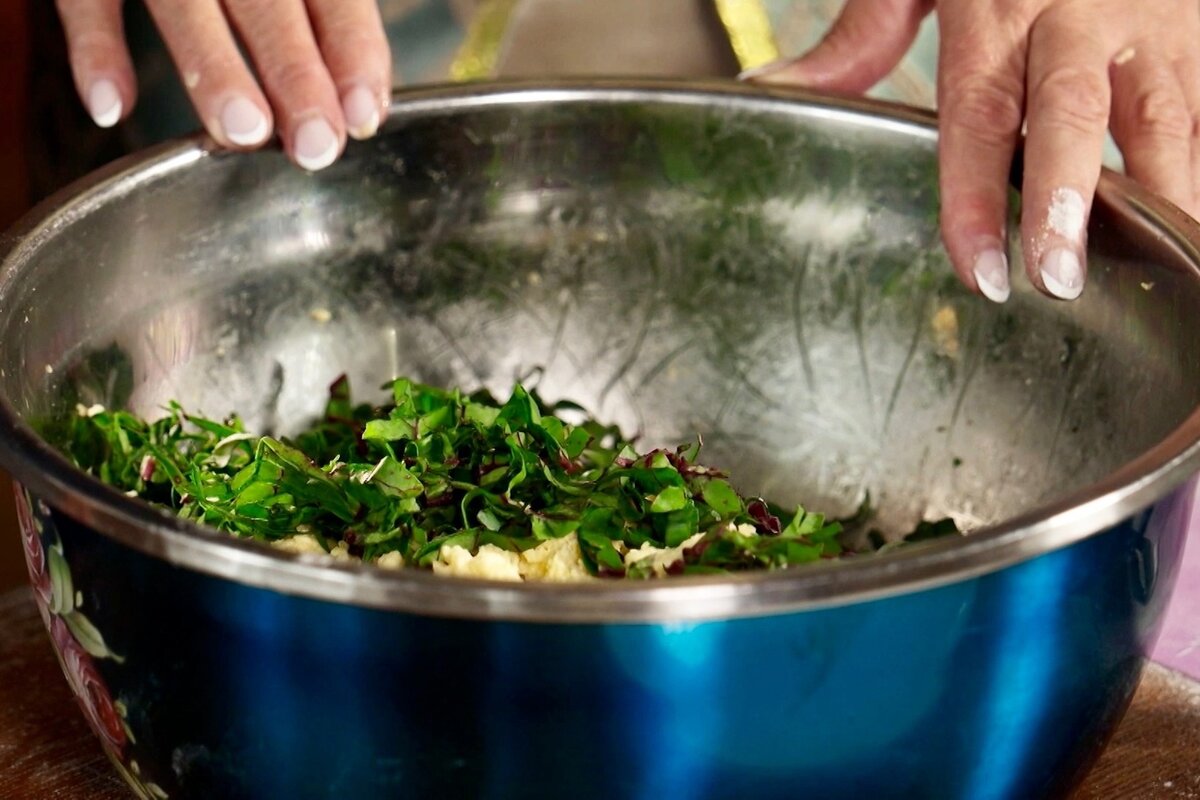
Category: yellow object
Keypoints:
(749, 30)
(945, 331)
(554, 560)
(746, 24)
(477, 57)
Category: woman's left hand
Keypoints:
(1066, 69)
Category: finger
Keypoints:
(1152, 125)
(864, 44)
(280, 40)
(981, 97)
(1068, 110)
(355, 47)
(224, 93)
(100, 59)
(1188, 72)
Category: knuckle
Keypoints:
(847, 35)
(851, 32)
(983, 109)
(249, 13)
(80, 16)
(1072, 97)
(1161, 114)
(96, 41)
(219, 66)
(96, 50)
(343, 26)
(355, 50)
(71, 8)
(290, 74)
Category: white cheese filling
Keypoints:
(555, 560)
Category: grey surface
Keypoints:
(683, 260)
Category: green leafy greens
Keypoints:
(439, 467)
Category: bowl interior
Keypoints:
(763, 273)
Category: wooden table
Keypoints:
(47, 753)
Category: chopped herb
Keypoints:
(437, 468)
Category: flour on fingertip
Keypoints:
(1067, 215)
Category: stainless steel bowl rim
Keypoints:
(1124, 492)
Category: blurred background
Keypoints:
(15, 195)
(47, 140)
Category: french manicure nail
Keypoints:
(361, 107)
(104, 103)
(316, 145)
(991, 275)
(763, 70)
(243, 122)
(1062, 274)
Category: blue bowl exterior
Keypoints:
(1001, 686)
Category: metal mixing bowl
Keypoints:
(760, 269)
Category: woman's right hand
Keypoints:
(324, 65)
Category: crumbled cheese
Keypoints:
(304, 543)
(491, 562)
(554, 560)
(307, 543)
(745, 529)
(661, 557)
(557, 560)
(391, 560)
(88, 411)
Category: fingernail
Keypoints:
(361, 108)
(244, 124)
(1062, 273)
(316, 145)
(104, 103)
(764, 70)
(991, 275)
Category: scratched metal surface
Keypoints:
(766, 277)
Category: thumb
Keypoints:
(866, 41)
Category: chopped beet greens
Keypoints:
(437, 468)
